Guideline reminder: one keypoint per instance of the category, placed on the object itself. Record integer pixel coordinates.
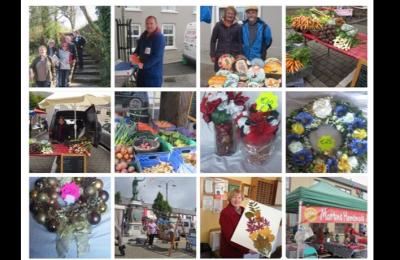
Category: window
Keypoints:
(135, 35)
(364, 195)
(154, 104)
(194, 11)
(133, 8)
(169, 34)
(169, 9)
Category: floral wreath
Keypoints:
(325, 154)
(68, 207)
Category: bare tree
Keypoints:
(69, 12)
(92, 25)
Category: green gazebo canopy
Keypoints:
(325, 195)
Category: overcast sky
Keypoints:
(80, 20)
(182, 196)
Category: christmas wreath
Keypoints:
(327, 135)
(69, 207)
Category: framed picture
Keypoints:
(232, 187)
(246, 190)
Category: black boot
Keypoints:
(122, 250)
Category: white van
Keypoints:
(189, 42)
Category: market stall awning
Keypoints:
(74, 99)
(323, 194)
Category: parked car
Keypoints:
(105, 136)
(189, 43)
(86, 122)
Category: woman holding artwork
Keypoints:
(228, 220)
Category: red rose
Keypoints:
(207, 108)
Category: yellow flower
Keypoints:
(253, 236)
(298, 128)
(267, 101)
(344, 165)
(320, 167)
(266, 233)
(359, 134)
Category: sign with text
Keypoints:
(332, 215)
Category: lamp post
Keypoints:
(167, 183)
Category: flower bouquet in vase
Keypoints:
(258, 128)
(222, 108)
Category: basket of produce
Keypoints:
(158, 163)
(176, 140)
(145, 144)
(188, 158)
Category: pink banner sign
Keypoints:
(332, 215)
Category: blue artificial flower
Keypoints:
(358, 147)
(292, 137)
(304, 118)
(340, 110)
(331, 165)
(357, 123)
(302, 158)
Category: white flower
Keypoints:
(246, 129)
(242, 121)
(353, 162)
(322, 107)
(295, 146)
(231, 108)
(339, 127)
(348, 118)
(216, 95)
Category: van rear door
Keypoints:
(93, 128)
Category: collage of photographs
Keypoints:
(144, 154)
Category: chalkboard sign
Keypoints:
(362, 77)
(74, 163)
(192, 108)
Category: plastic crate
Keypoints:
(188, 167)
(147, 160)
(190, 142)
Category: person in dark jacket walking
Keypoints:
(80, 42)
(149, 55)
(228, 220)
(256, 35)
(226, 37)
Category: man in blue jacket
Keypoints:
(257, 36)
(149, 54)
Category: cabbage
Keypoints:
(349, 30)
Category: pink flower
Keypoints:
(70, 192)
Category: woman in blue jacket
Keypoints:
(256, 35)
(149, 55)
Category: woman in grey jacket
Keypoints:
(226, 37)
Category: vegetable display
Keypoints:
(123, 158)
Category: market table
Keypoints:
(58, 150)
(338, 249)
(359, 52)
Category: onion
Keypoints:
(124, 165)
(119, 167)
(126, 156)
(118, 148)
(131, 169)
(119, 155)
(130, 150)
(124, 170)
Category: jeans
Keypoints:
(63, 78)
(151, 239)
(43, 84)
